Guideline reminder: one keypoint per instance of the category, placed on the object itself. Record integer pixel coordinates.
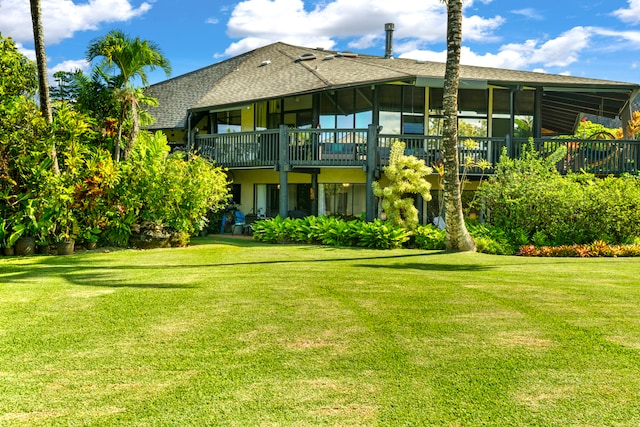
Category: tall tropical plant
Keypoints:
(43, 84)
(458, 238)
(131, 59)
(407, 176)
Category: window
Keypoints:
(401, 109)
(390, 122)
(473, 108)
(523, 112)
(229, 121)
(345, 199)
(298, 111)
(346, 109)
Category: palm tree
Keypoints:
(458, 238)
(41, 60)
(131, 58)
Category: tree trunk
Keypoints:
(43, 83)
(458, 238)
(135, 126)
(118, 141)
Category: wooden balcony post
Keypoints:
(283, 168)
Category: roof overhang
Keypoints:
(439, 83)
(562, 107)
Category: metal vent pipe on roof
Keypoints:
(388, 50)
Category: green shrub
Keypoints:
(330, 231)
(490, 239)
(381, 235)
(429, 237)
(533, 203)
(273, 230)
(170, 190)
(338, 232)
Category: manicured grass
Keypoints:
(237, 333)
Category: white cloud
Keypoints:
(29, 53)
(625, 36)
(212, 21)
(477, 28)
(630, 14)
(562, 50)
(559, 52)
(503, 59)
(62, 18)
(71, 66)
(528, 12)
(330, 21)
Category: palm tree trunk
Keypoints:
(135, 126)
(41, 60)
(458, 238)
(116, 147)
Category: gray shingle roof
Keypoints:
(275, 71)
(177, 95)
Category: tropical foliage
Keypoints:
(91, 198)
(130, 58)
(534, 204)
(407, 176)
(331, 231)
(634, 125)
(378, 234)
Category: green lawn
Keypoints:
(237, 333)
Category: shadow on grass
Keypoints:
(83, 274)
(75, 271)
(108, 281)
(430, 267)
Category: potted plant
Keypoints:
(65, 225)
(89, 236)
(4, 238)
(66, 232)
(26, 227)
(44, 234)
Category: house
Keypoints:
(308, 129)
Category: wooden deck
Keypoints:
(316, 148)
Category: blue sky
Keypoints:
(598, 39)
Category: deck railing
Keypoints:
(348, 148)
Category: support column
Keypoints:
(314, 188)
(512, 111)
(537, 114)
(370, 169)
(627, 114)
(283, 168)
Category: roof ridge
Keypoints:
(307, 66)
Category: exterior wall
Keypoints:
(340, 175)
(247, 118)
(176, 137)
(248, 179)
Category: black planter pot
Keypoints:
(25, 245)
(66, 248)
(44, 249)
